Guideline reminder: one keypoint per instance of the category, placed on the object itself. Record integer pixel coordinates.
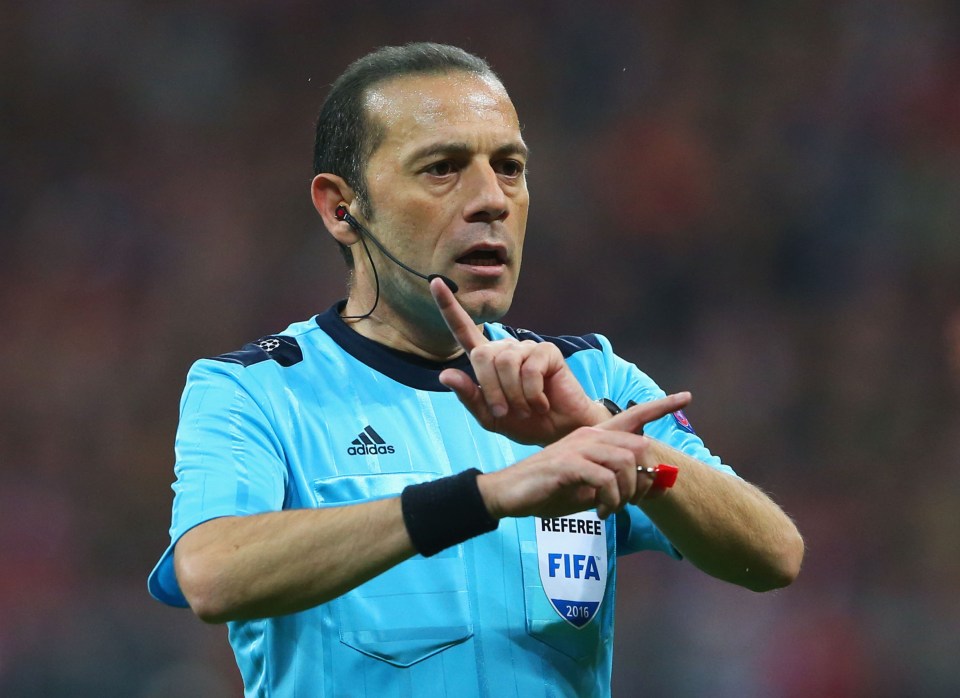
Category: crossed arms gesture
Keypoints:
(237, 567)
(526, 391)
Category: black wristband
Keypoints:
(445, 512)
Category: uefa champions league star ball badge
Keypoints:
(572, 555)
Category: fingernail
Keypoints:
(498, 411)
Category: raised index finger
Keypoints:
(463, 329)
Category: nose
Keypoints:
(487, 201)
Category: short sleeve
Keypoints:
(229, 461)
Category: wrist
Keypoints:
(601, 410)
(445, 512)
(487, 486)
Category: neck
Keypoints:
(430, 340)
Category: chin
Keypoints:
(487, 305)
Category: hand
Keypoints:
(591, 467)
(526, 390)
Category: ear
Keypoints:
(329, 191)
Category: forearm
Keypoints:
(276, 563)
(726, 527)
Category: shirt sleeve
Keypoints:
(635, 530)
(229, 461)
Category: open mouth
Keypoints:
(482, 258)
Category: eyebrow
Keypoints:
(462, 150)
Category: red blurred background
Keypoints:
(758, 202)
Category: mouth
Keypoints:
(484, 257)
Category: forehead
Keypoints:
(421, 106)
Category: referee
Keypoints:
(403, 497)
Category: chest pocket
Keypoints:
(543, 621)
(413, 610)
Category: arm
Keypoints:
(241, 567)
(725, 526)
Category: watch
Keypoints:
(611, 406)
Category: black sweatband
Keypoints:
(445, 512)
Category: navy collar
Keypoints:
(409, 369)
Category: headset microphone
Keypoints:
(343, 214)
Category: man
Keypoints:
(314, 465)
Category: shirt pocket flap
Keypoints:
(344, 489)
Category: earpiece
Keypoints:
(342, 214)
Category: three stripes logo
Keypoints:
(369, 442)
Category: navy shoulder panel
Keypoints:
(284, 350)
(568, 345)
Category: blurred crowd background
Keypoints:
(758, 202)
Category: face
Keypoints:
(448, 193)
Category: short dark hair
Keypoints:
(346, 136)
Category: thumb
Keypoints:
(633, 419)
(467, 392)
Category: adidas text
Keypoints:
(370, 449)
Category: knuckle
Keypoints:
(506, 359)
(626, 459)
(542, 349)
(608, 477)
(483, 352)
(584, 432)
(527, 370)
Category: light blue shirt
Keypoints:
(320, 416)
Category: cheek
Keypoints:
(521, 231)
(416, 236)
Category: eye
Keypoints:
(441, 169)
(510, 168)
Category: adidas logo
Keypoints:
(369, 442)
